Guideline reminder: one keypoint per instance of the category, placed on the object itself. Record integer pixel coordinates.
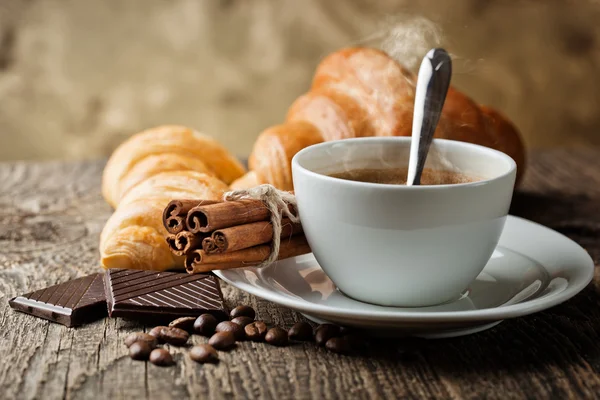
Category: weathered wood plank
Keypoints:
(51, 215)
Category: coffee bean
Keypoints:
(277, 337)
(243, 311)
(242, 321)
(222, 340)
(156, 333)
(204, 353)
(256, 331)
(171, 335)
(301, 331)
(161, 357)
(140, 350)
(325, 332)
(339, 345)
(152, 341)
(205, 325)
(228, 326)
(185, 323)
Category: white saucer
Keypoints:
(533, 268)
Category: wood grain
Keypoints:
(51, 215)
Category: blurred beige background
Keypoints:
(79, 76)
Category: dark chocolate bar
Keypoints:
(71, 303)
(151, 295)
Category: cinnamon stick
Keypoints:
(175, 214)
(248, 235)
(207, 218)
(209, 245)
(184, 242)
(199, 261)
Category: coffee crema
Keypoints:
(398, 176)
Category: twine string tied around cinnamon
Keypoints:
(278, 203)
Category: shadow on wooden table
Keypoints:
(561, 341)
(566, 337)
(557, 209)
(576, 216)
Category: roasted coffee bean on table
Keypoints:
(156, 333)
(228, 326)
(243, 311)
(161, 357)
(301, 331)
(325, 332)
(185, 323)
(140, 350)
(171, 335)
(205, 325)
(256, 331)
(204, 353)
(341, 345)
(242, 321)
(151, 340)
(222, 340)
(277, 336)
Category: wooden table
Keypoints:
(52, 213)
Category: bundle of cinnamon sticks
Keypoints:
(229, 234)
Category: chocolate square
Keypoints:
(71, 303)
(160, 296)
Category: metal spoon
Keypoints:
(432, 86)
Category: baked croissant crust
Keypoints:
(360, 92)
(142, 176)
(165, 148)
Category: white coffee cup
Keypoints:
(402, 245)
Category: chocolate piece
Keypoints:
(162, 296)
(71, 303)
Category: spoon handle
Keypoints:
(432, 86)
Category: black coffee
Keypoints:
(397, 176)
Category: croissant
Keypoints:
(363, 92)
(142, 176)
(355, 92)
(161, 149)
